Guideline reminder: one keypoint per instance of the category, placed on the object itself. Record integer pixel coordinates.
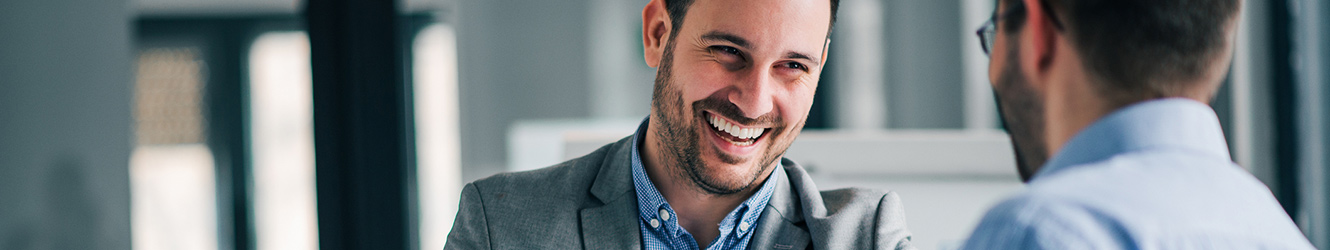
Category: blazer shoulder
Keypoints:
(847, 218)
(837, 200)
(865, 218)
(885, 206)
(855, 201)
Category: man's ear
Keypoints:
(656, 27)
(1039, 42)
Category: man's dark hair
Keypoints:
(1144, 49)
(679, 8)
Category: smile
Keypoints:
(732, 133)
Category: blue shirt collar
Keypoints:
(650, 202)
(1173, 123)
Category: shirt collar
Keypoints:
(1174, 123)
(650, 202)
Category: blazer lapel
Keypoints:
(613, 225)
(782, 224)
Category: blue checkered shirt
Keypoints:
(660, 227)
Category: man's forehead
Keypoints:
(763, 24)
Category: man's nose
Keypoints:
(754, 93)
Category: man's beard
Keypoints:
(682, 142)
(1022, 112)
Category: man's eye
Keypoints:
(726, 50)
(795, 65)
(729, 57)
(727, 54)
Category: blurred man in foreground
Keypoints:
(1115, 92)
(734, 85)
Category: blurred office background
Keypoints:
(205, 124)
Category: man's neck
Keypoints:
(1073, 104)
(699, 212)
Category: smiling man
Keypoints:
(734, 84)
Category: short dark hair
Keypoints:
(679, 8)
(1144, 49)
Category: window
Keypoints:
(282, 145)
(171, 170)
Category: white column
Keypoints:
(980, 111)
(860, 102)
(438, 150)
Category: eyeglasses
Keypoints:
(988, 32)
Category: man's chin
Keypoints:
(722, 178)
(724, 186)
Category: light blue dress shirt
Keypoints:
(1154, 175)
(660, 226)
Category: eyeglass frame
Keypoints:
(988, 31)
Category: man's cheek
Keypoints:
(803, 104)
(702, 89)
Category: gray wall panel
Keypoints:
(65, 124)
(925, 84)
(518, 59)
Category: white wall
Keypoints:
(65, 124)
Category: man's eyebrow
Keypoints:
(722, 36)
(797, 55)
(741, 42)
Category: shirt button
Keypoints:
(743, 226)
(655, 223)
(664, 215)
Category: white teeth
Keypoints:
(735, 130)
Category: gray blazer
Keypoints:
(590, 203)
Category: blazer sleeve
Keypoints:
(891, 230)
(470, 228)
